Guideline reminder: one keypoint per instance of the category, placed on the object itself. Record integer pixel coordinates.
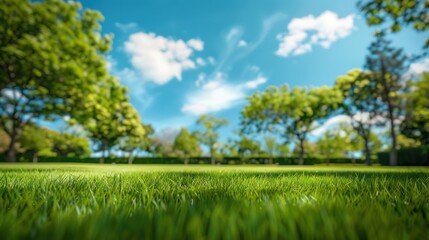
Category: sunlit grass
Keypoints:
(229, 202)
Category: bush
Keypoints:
(194, 160)
(407, 157)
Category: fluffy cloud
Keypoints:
(196, 44)
(160, 59)
(419, 68)
(307, 31)
(217, 94)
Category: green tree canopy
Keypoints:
(416, 124)
(187, 145)
(51, 61)
(66, 144)
(36, 141)
(361, 104)
(397, 13)
(293, 113)
(209, 135)
(112, 118)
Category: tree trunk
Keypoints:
(11, 150)
(213, 159)
(367, 153)
(102, 154)
(11, 153)
(393, 152)
(301, 152)
(186, 160)
(35, 157)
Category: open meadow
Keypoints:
(86, 201)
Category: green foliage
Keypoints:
(387, 66)
(36, 141)
(51, 60)
(397, 13)
(187, 144)
(134, 141)
(209, 136)
(361, 104)
(247, 147)
(113, 118)
(4, 141)
(332, 144)
(69, 145)
(416, 123)
(290, 112)
(152, 202)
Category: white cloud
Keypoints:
(419, 68)
(307, 31)
(330, 124)
(201, 62)
(255, 83)
(364, 117)
(127, 26)
(217, 94)
(242, 43)
(196, 44)
(160, 59)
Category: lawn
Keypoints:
(86, 201)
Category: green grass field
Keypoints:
(78, 201)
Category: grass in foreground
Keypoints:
(210, 202)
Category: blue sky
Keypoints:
(184, 58)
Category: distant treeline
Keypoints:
(197, 160)
(407, 156)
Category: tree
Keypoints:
(361, 104)
(65, 48)
(310, 149)
(69, 145)
(329, 145)
(273, 148)
(290, 112)
(112, 118)
(405, 142)
(187, 145)
(339, 142)
(246, 146)
(209, 136)
(387, 66)
(397, 13)
(416, 123)
(135, 141)
(36, 140)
